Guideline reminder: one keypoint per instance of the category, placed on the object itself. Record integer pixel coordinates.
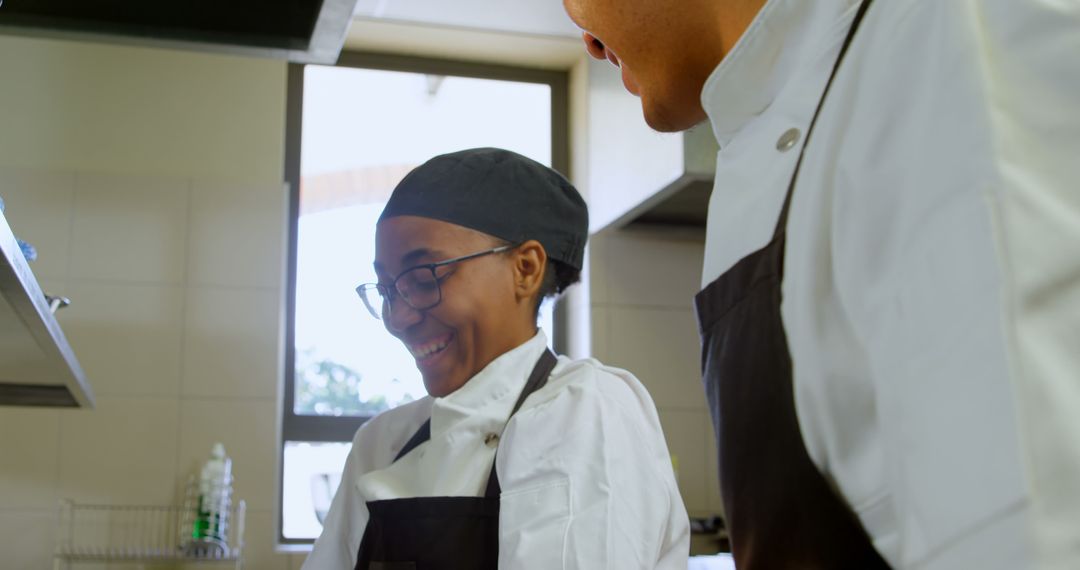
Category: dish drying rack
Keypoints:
(140, 534)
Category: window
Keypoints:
(354, 131)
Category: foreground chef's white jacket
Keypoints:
(586, 477)
(932, 273)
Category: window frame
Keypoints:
(330, 429)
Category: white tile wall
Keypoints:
(175, 318)
(38, 209)
(237, 234)
(29, 446)
(653, 269)
(231, 342)
(601, 334)
(661, 347)
(127, 337)
(599, 274)
(642, 288)
(122, 452)
(118, 137)
(27, 539)
(129, 228)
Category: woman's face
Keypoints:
(480, 316)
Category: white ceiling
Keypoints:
(541, 17)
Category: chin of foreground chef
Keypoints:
(517, 458)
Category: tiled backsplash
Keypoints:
(176, 289)
(642, 290)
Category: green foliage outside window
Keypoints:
(327, 388)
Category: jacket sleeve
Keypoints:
(1033, 84)
(957, 251)
(589, 483)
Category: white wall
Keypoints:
(102, 108)
(628, 161)
(643, 320)
(151, 183)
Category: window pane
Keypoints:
(346, 362)
(363, 130)
(312, 473)
(360, 118)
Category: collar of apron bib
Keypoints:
(456, 460)
(492, 391)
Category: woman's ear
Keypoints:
(530, 262)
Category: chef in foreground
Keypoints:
(890, 311)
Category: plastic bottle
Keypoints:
(215, 494)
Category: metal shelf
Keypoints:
(144, 534)
(37, 365)
(144, 557)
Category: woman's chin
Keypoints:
(441, 385)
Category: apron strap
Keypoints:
(423, 434)
(781, 222)
(537, 379)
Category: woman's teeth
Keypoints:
(427, 350)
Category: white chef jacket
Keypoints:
(931, 293)
(587, 480)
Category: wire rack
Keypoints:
(146, 535)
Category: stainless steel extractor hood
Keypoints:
(310, 31)
(684, 202)
(37, 366)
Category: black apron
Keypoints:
(780, 511)
(440, 533)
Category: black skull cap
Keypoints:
(499, 193)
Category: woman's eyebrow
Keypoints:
(416, 255)
(412, 258)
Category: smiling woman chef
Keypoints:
(517, 459)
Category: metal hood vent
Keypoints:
(684, 202)
(310, 31)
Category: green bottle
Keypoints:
(215, 490)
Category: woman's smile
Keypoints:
(428, 353)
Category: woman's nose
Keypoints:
(400, 316)
(594, 46)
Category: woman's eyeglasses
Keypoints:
(419, 286)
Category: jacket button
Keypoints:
(491, 439)
(788, 140)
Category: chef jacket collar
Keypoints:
(493, 390)
(781, 37)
